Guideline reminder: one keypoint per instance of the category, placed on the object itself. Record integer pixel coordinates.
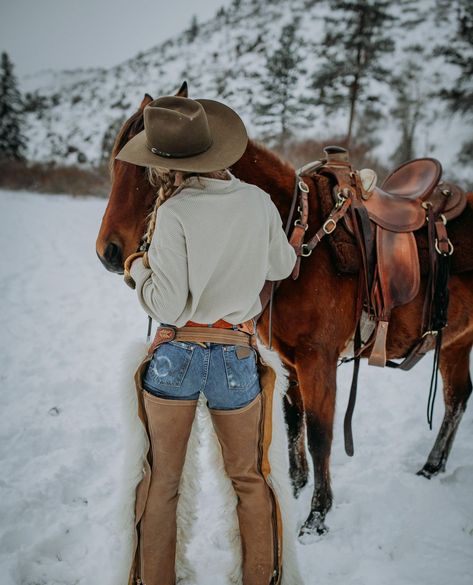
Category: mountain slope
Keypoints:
(225, 58)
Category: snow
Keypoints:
(227, 61)
(64, 327)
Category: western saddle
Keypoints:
(382, 220)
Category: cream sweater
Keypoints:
(215, 243)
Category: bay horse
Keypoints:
(313, 316)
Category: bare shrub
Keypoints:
(45, 178)
(300, 152)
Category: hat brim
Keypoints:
(229, 141)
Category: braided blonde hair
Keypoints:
(164, 180)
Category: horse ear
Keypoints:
(183, 90)
(145, 101)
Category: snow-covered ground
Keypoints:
(64, 325)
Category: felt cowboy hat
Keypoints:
(187, 135)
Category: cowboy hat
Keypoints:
(187, 135)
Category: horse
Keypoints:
(313, 317)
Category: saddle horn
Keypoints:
(336, 153)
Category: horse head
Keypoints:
(130, 200)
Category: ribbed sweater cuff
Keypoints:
(139, 273)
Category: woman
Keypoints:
(216, 240)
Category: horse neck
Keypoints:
(263, 168)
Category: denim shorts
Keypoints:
(182, 369)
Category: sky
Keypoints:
(65, 34)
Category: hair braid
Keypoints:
(164, 179)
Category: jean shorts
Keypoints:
(181, 370)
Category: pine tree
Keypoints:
(408, 110)
(108, 139)
(357, 36)
(193, 30)
(458, 51)
(281, 106)
(12, 141)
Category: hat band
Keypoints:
(155, 150)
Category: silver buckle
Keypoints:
(303, 186)
(331, 222)
(450, 247)
(307, 253)
(299, 223)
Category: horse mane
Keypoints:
(273, 158)
(262, 166)
(130, 128)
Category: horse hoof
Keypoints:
(429, 470)
(311, 532)
(424, 473)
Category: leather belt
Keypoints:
(247, 326)
(198, 334)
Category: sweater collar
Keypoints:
(211, 185)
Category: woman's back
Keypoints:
(215, 243)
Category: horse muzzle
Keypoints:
(112, 258)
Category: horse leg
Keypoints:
(294, 417)
(455, 370)
(317, 378)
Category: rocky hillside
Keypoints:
(73, 115)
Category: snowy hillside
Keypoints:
(226, 58)
(65, 326)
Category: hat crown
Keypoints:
(176, 127)
(187, 135)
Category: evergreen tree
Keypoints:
(280, 106)
(108, 139)
(408, 110)
(459, 51)
(12, 141)
(193, 30)
(357, 36)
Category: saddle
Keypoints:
(383, 221)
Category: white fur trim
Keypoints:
(279, 462)
(135, 441)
